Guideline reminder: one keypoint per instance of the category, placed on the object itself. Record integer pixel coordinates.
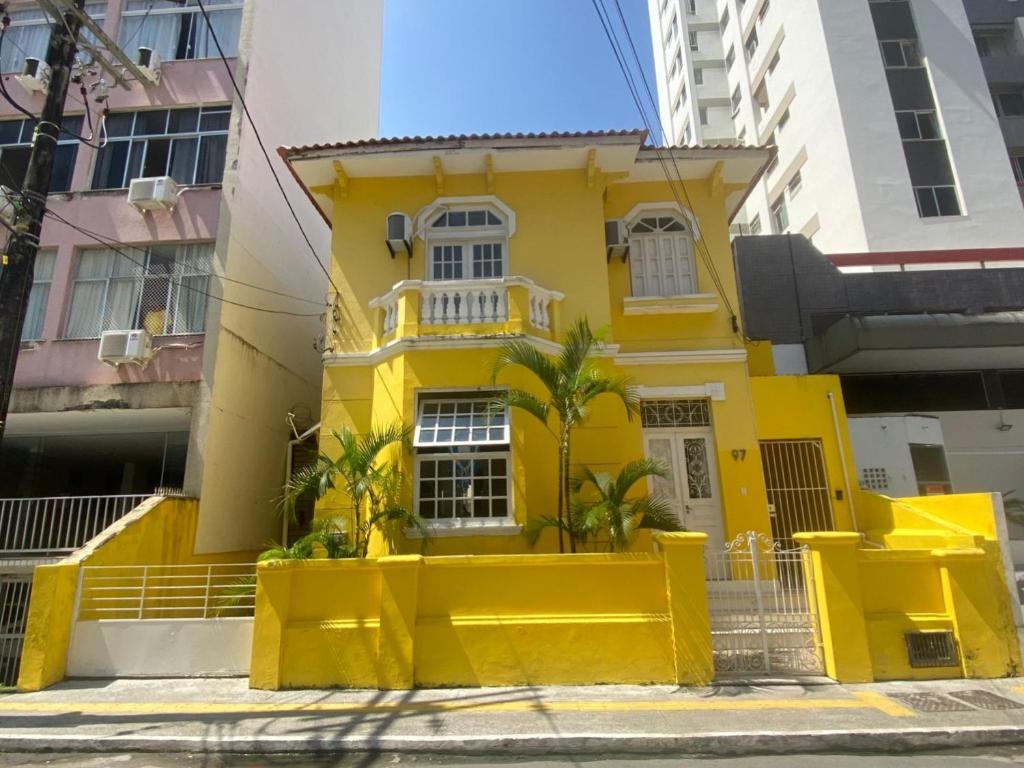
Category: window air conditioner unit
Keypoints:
(399, 236)
(35, 75)
(149, 62)
(153, 193)
(118, 347)
(616, 239)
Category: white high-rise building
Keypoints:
(887, 135)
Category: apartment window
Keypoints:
(676, 105)
(673, 28)
(900, 54)
(467, 244)
(179, 31)
(755, 225)
(735, 100)
(774, 63)
(703, 114)
(682, 93)
(187, 144)
(918, 124)
(161, 288)
(1009, 104)
(462, 459)
(730, 57)
(1017, 161)
(936, 201)
(724, 21)
(780, 215)
(687, 135)
(677, 64)
(698, 75)
(661, 257)
(691, 7)
(783, 122)
(694, 42)
(16, 147)
(794, 185)
(29, 34)
(750, 46)
(39, 296)
(993, 44)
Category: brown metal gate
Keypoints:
(799, 495)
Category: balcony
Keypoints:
(58, 525)
(497, 305)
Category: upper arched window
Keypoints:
(467, 243)
(661, 255)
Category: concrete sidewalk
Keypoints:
(757, 718)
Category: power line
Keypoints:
(263, 148)
(607, 26)
(111, 245)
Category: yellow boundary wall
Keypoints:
(160, 531)
(405, 621)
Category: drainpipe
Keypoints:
(842, 459)
(288, 468)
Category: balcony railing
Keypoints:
(57, 525)
(415, 304)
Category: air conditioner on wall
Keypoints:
(153, 193)
(399, 234)
(149, 62)
(35, 75)
(616, 239)
(117, 347)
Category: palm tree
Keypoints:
(613, 512)
(572, 380)
(373, 488)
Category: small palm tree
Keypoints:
(572, 380)
(374, 489)
(609, 510)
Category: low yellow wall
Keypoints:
(160, 531)
(480, 620)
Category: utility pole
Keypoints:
(19, 258)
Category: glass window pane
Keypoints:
(492, 219)
(947, 202)
(183, 121)
(456, 218)
(120, 124)
(907, 123)
(212, 152)
(476, 218)
(153, 123)
(183, 160)
(926, 202)
(10, 131)
(63, 166)
(215, 119)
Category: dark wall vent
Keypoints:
(934, 648)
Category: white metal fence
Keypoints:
(56, 524)
(166, 591)
(14, 595)
(761, 603)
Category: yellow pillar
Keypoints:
(44, 655)
(398, 597)
(408, 322)
(273, 597)
(518, 309)
(683, 554)
(836, 581)
(982, 621)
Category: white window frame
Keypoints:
(463, 450)
(691, 230)
(466, 238)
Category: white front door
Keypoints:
(692, 485)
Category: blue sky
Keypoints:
(476, 66)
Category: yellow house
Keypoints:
(516, 236)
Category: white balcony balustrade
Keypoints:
(425, 303)
(58, 524)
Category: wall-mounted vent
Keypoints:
(932, 648)
(874, 479)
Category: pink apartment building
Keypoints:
(224, 283)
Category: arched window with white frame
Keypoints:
(661, 254)
(467, 243)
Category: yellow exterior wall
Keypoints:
(798, 407)
(485, 620)
(160, 531)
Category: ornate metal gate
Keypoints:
(763, 616)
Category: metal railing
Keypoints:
(54, 525)
(136, 592)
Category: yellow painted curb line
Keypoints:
(861, 700)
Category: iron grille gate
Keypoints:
(798, 488)
(763, 615)
(14, 594)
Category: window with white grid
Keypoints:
(462, 460)
(467, 244)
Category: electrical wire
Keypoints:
(606, 22)
(108, 244)
(263, 148)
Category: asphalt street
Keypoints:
(989, 758)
